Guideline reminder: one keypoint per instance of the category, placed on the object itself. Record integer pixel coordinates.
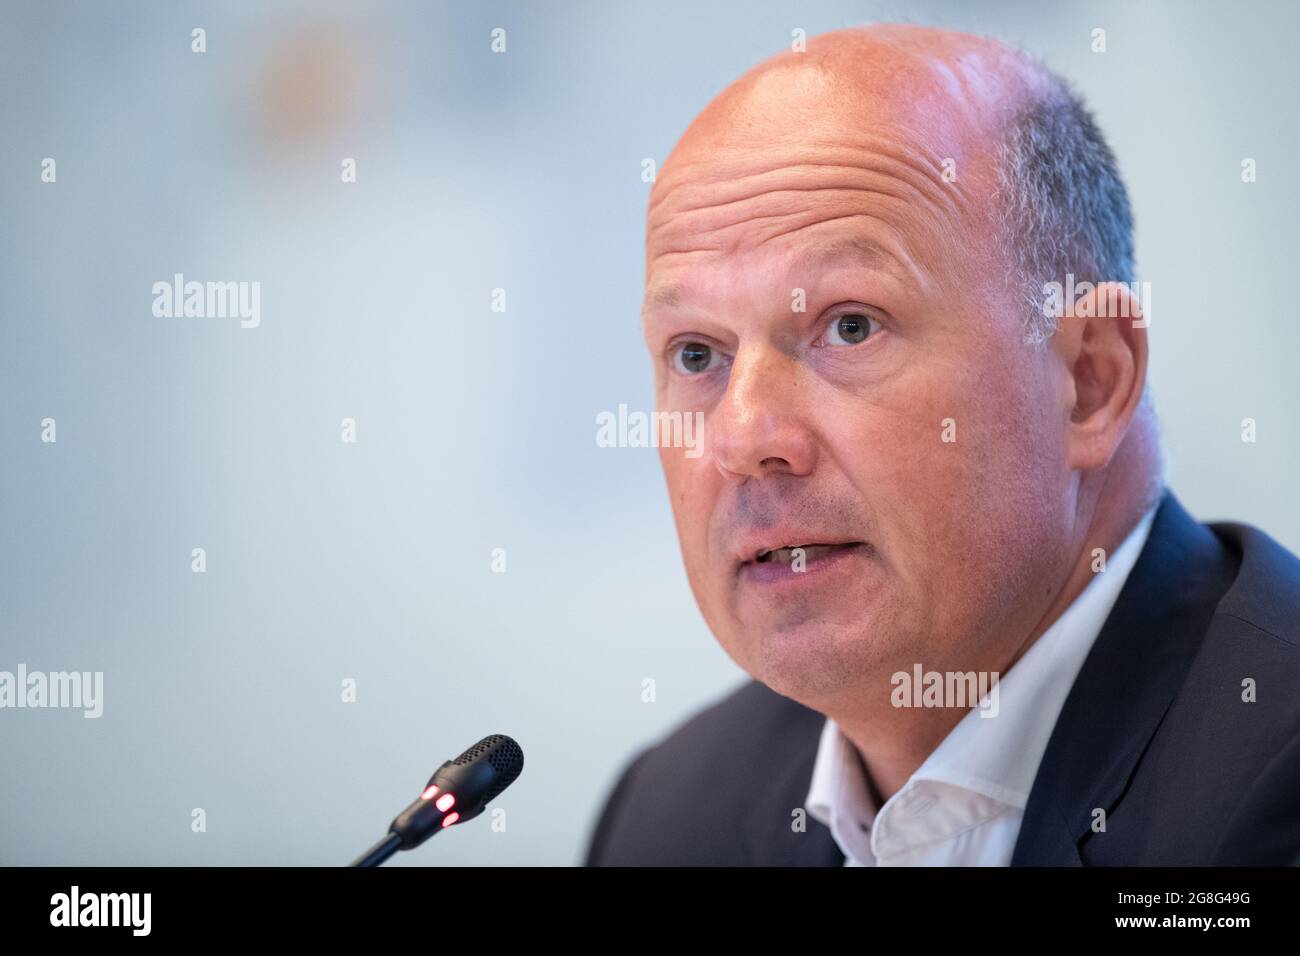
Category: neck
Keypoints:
(892, 741)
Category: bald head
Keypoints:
(1021, 157)
(942, 86)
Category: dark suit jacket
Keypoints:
(1154, 731)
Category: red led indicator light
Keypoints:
(450, 818)
(445, 802)
(429, 791)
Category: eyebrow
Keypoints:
(669, 295)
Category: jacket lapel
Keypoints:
(770, 839)
(1125, 686)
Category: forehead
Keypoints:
(802, 209)
(812, 253)
(808, 162)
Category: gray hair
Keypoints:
(1061, 204)
(1062, 208)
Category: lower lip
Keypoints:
(781, 574)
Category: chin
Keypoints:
(810, 661)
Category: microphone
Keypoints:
(459, 790)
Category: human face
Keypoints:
(834, 308)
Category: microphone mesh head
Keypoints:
(504, 756)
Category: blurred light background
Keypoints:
(372, 561)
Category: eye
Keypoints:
(850, 328)
(693, 358)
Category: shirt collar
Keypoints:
(993, 759)
(838, 795)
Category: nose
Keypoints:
(759, 427)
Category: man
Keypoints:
(919, 479)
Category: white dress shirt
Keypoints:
(964, 804)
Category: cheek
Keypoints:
(690, 496)
(678, 476)
(950, 462)
(693, 487)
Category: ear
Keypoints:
(1102, 342)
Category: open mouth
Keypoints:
(809, 552)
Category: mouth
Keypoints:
(787, 564)
(809, 553)
(789, 568)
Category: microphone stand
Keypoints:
(380, 852)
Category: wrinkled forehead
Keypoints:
(742, 229)
(898, 155)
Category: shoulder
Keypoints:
(1265, 595)
(686, 799)
(1228, 750)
